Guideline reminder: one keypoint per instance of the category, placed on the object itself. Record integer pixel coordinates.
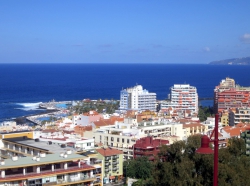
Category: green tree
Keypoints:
(204, 112)
(140, 168)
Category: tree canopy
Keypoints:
(179, 164)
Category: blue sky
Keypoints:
(125, 31)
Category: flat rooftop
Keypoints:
(43, 145)
(50, 158)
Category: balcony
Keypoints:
(247, 140)
(248, 134)
(95, 162)
(107, 170)
(107, 164)
(33, 175)
(139, 152)
(77, 179)
(107, 158)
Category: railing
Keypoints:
(42, 173)
(77, 179)
(97, 172)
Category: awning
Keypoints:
(111, 177)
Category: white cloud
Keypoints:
(245, 38)
(206, 49)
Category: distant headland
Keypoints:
(234, 61)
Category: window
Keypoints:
(100, 137)
(118, 139)
(88, 144)
(127, 140)
(122, 140)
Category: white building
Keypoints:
(183, 97)
(123, 136)
(60, 138)
(137, 98)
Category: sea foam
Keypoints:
(29, 106)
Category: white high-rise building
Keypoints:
(137, 98)
(183, 97)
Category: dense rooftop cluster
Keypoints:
(94, 144)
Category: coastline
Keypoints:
(48, 108)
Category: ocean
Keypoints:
(24, 86)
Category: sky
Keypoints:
(125, 31)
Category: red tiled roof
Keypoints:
(236, 130)
(109, 151)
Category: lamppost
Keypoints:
(205, 149)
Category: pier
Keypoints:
(34, 118)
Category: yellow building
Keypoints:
(194, 128)
(112, 164)
(23, 134)
(224, 119)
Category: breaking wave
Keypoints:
(29, 106)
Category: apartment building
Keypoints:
(182, 97)
(224, 118)
(227, 95)
(32, 143)
(27, 160)
(149, 147)
(246, 136)
(194, 128)
(49, 169)
(112, 164)
(239, 115)
(123, 136)
(137, 98)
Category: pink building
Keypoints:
(86, 118)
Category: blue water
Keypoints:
(23, 86)
(61, 105)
